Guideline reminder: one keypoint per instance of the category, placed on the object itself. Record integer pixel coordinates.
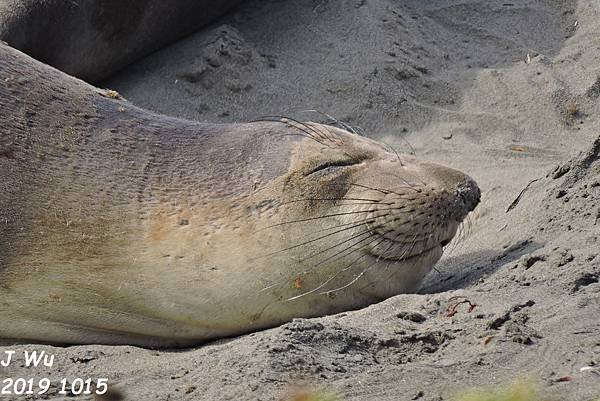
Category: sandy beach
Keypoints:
(509, 93)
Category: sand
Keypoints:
(508, 92)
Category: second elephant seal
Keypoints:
(92, 39)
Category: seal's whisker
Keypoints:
(310, 131)
(306, 242)
(336, 255)
(352, 281)
(312, 128)
(462, 235)
(464, 230)
(323, 284)
(333, 199)
(373, 237)
(344, 186)
(367, 188)
(314, 267)
(332, 137)
(455, 241)
(419, 190)
(380, 201)
(429, 237)
(367, 220)
(393, 241)
(301, 135)
(352, 248)
(354, 212)
(363, 203)
(383, 191)
(412, 150)
(346, 126)
(320, 139)
(354, 236)
(396, 210)
(398, 156)
(395, 151)
(401, 258)
(320, 134)
(283, 120)
(469, 225)
(318, 218)
(396, 219)
(371, 265)
(409, 251)
(412, 186)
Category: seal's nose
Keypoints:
(468, 195)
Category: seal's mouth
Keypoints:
(403, 258)
(399, 251)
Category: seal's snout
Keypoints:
(460, 193)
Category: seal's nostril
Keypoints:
(470, 194)
(445, 242)
(467, 198)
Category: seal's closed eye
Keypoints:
(331, 166)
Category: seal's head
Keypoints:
(357, 220)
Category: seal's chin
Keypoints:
(396, 251)
(405, 258)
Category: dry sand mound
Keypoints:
(506, 91)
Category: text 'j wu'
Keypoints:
(32, 358)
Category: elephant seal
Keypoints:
(93, 39)
(121, 226)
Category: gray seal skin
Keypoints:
(91, 39)
(121, 226)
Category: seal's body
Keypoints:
(121, 226)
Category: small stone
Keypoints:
(565, 257)
(87, 356)
(411, 316)
(560, 171)
(528, 260)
